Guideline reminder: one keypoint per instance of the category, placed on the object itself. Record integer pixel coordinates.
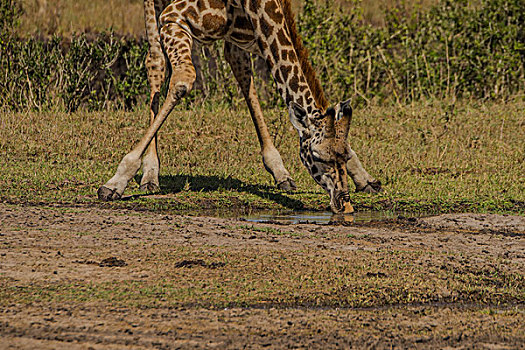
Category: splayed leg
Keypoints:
(177, 45)
(241, 66)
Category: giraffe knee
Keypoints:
(184, 75)
(177, 91)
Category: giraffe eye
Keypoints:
(316, 157)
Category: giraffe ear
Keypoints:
(344, 110)
(298, 117)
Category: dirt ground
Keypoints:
(62, 272)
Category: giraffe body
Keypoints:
(211, 20)
(261, 27)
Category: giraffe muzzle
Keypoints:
(341, 203)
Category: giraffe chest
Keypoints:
(211, 20)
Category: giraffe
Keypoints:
(261, 27)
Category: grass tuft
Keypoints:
(430, 157)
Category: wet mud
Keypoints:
(49, 248)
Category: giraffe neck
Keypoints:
(273, 24)
(278, 41)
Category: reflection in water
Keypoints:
(343, 218)
(312, 217)
(325, 217)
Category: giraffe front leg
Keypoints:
(363, 181)
(177, 45)
(155, 64)
(127, 168)
(240, 63)
(156, 68)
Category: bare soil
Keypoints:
(63, 272)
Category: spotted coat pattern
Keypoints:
(260, 27)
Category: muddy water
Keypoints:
(327, 217)
(308, 217)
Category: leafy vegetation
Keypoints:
(450, 50)
(90, 72)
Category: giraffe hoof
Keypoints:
(371, 187)
(107, 195)
(149, 187)
(287, 185)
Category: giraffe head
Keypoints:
(325, 151)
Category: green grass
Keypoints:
(430, 156)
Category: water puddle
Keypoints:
(327, 217)
(307, 217)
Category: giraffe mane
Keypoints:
(302, 54)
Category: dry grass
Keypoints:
(65, 17)
(177, 272)
(210, 262)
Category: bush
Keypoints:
(10, 12)
(452, 50)
(93, 72)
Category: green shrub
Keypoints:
(452, 50)
(91, 72)
(10, 12)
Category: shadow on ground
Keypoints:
(170, 184)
